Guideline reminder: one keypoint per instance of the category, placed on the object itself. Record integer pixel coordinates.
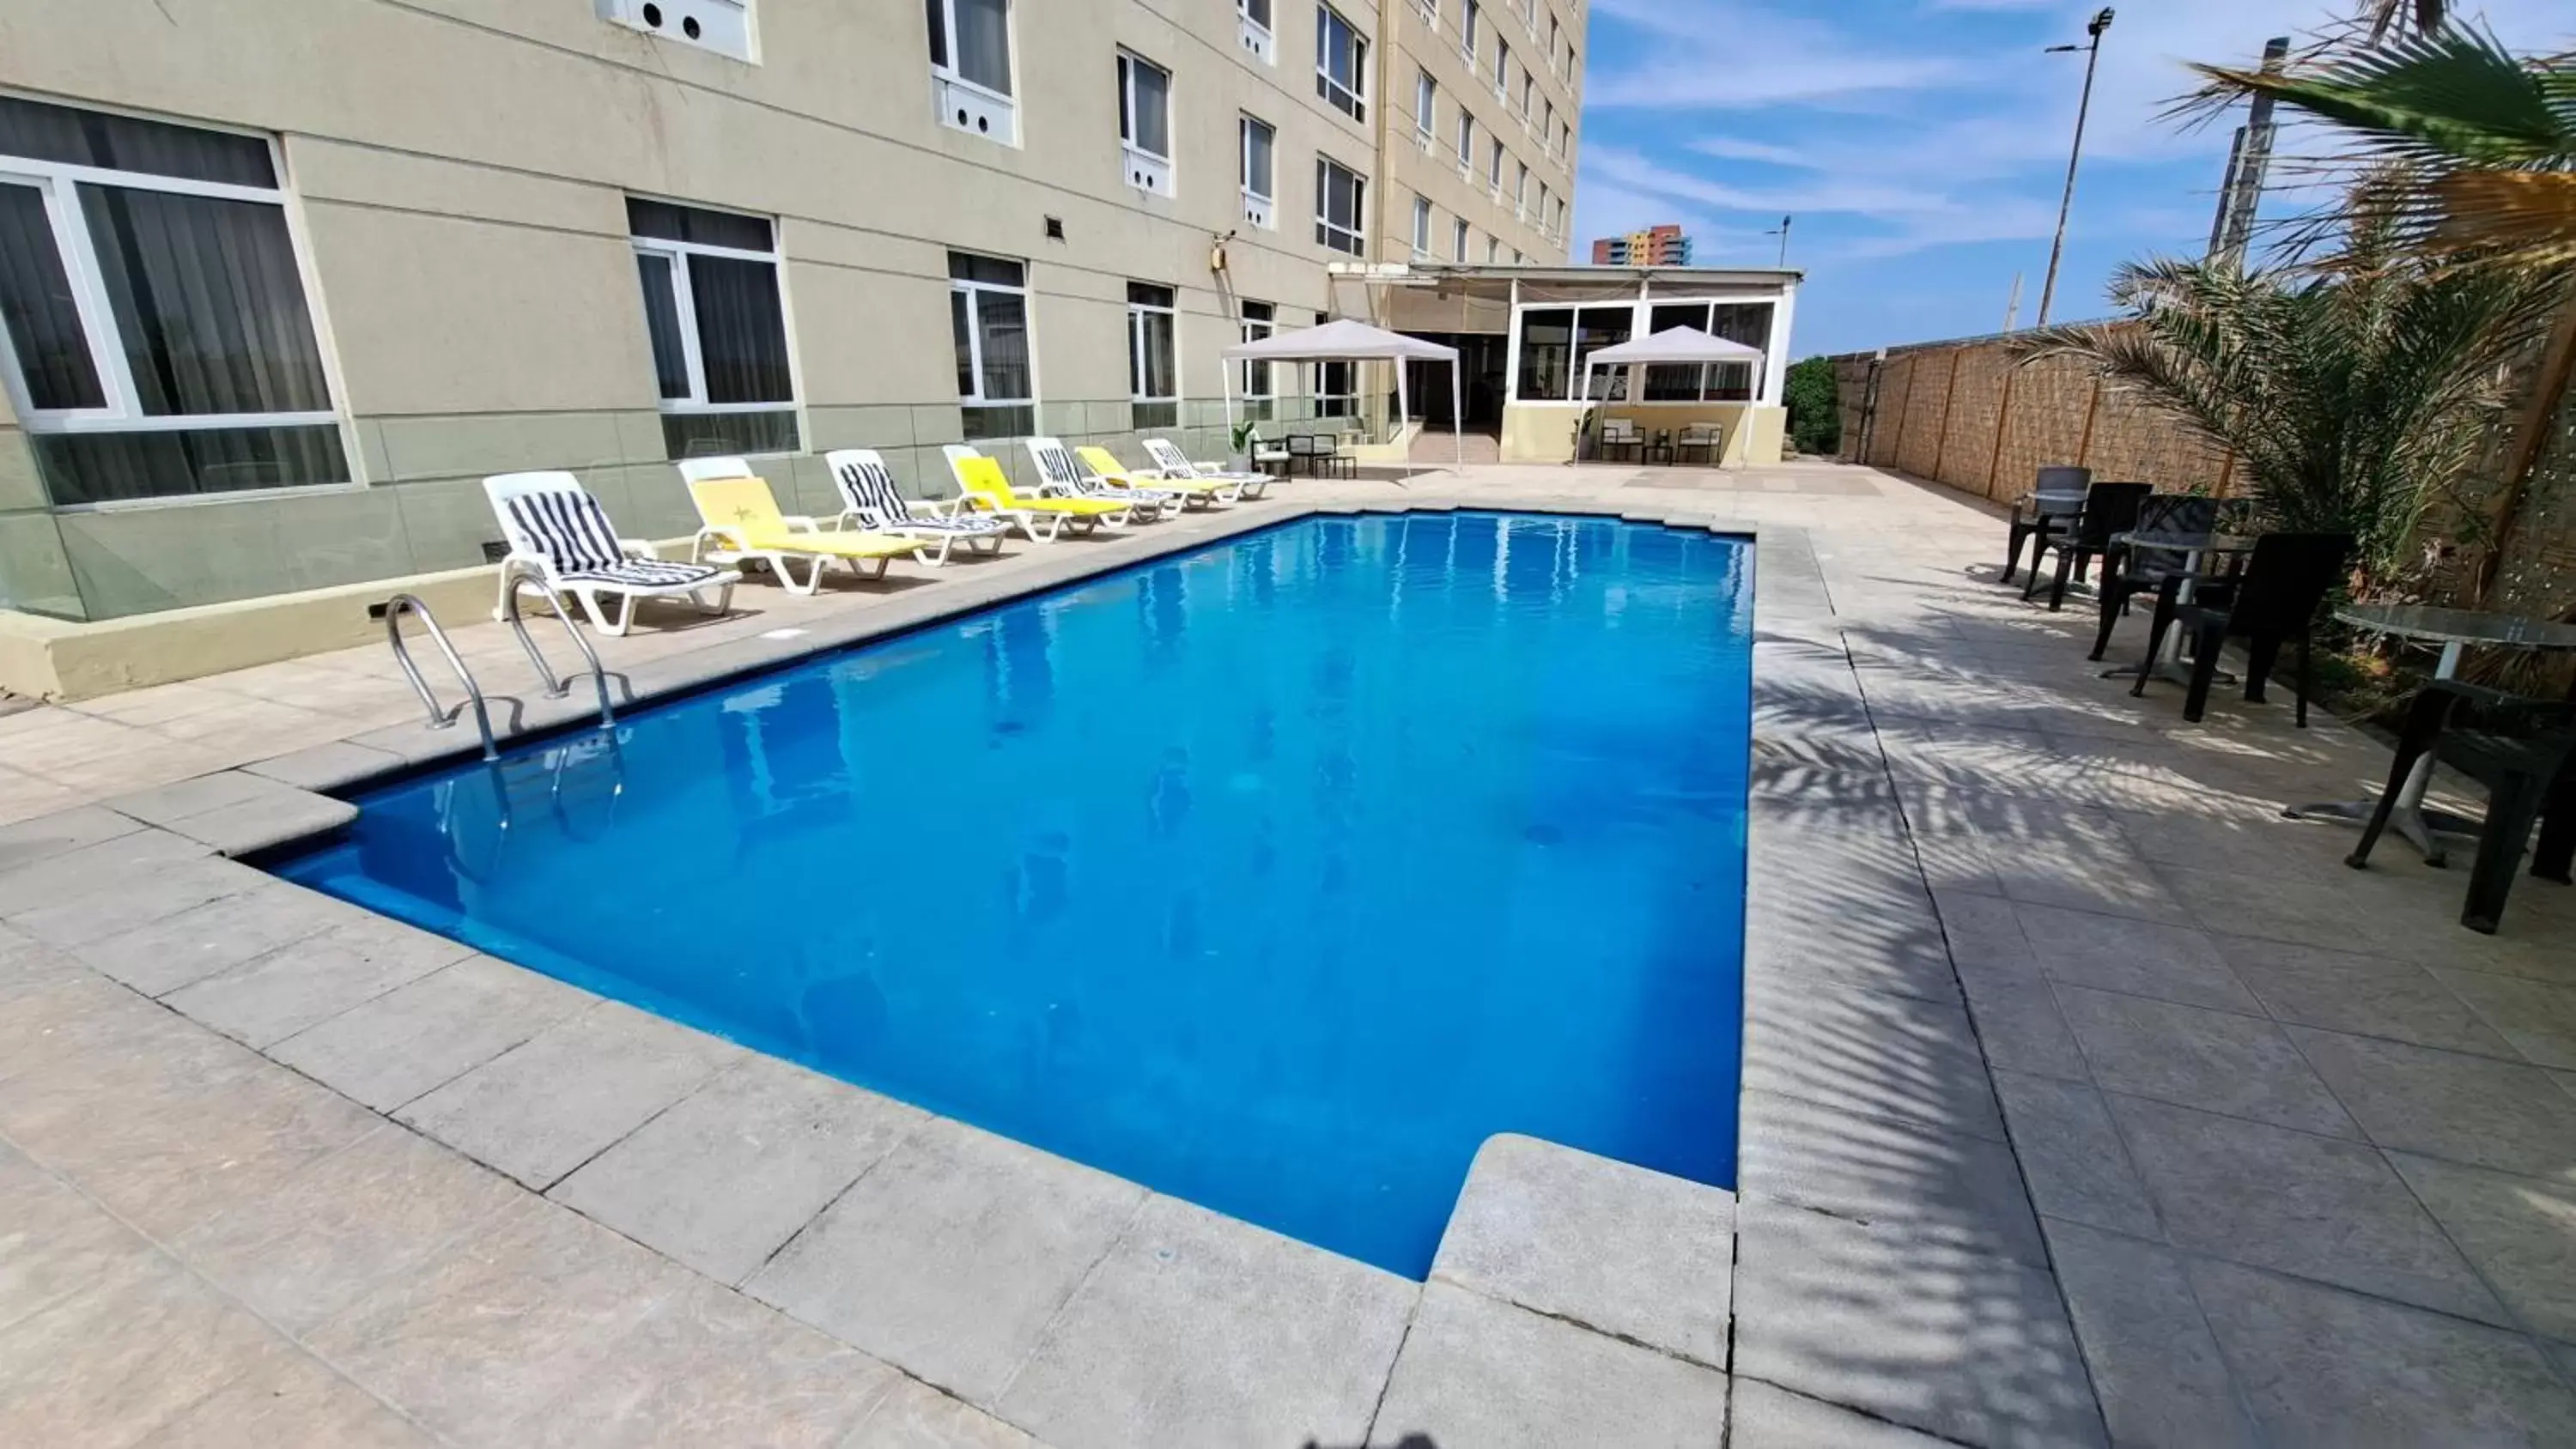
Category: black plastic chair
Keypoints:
(2054, 502)
(2273, 602)
(2519, 749)
(2109, 508)
(2127, 572)
(1301, 448)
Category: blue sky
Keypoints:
(1921, 144)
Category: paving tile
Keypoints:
(2443, 1104)
(114, 1361)
(2519, 1231)
(2365, 995)
(2072, 1155)
(423, 1035)
(163, 804)
(53, 1241)
(2242, 1066)
(2537, 1017)
(951, 1256)
(710, 1366)
(289, 1399)
(27, 842)
(342, 1227)
(1945, 1187)
(2315, 1206)
(54, 1015)
(1764, 1416)
(2019, 1025)
(1475, 1371)
(282, 818)
(2322, 1366)
(332, 766)
(549, 1105)
(1983, 933)
(506, 1320)
(732, 1171)
(311, 980)
(913, 1415)
(1871, 1052)
(1198, 1328)
(27, 964)
(1631, 1252)
(158, 889)
(2157, 1368)
(1968, 1346)
(164, 955)
(2140, 958)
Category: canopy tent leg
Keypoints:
(1403, 413)
(1457, 421)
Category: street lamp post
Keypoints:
(1782, 232)
(2056, 249)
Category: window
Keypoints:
(1529, 96)
(154, 332)
(1547, 130)
(1426, 107)
(1145, 123)
(1341, 64)
(1337, 389)
(1253, 29)
(1153, 369)
(970, 67)
(1542, 208)
(1494, 168)
(988, 307)
(1502, 69)
(1466, 144)
(1517, 258)
(1422, 228)
(1339, 194)
(1560, 216)
(1458, 242)
(1259, 321)
(1493, 250)
(1555, 57)
(1745, 322)
(1556, 340)
(1467, 35)
(718, 332)
(1259, 145)
(1520, 192)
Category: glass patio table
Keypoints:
(2454, 630)
(2202, 553)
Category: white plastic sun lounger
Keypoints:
(1042, 515)
(1066, 477)
(871, 501)
(1168, 457)
(561, 542)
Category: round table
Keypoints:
(2454, 630)
(2200, 551)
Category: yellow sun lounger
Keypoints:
(741, 521)
(1200, 491)
(988, 489)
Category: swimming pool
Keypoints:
(1276, 877)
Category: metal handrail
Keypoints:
(439, 719)
(555, 688)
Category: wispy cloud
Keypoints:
(1735, 148)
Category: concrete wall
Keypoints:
(1966, 415)
(1410, 172)
(457, 171)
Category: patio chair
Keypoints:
(1707, 439)
(2052, 505)
(2109, 508)
(562, 543)
(2519, 749)
(1301, 449)
(1188, 488)
(2127, 571)
(1622, 433)
(1174, 463)
(1067, 478)
(1331, 460)
(739, 521)
(983, 486)
(2273, 602)
(870, 501)
(1267, 456)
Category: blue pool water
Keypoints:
(1275, 877)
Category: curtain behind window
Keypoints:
(1153, 130)
(662, 326)
(742, 335)
(207, 302)
(983, 43)
(36, 306)
(1003, 319)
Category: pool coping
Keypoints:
(1825, 1278)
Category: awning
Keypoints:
(1674, 344)
(1345, 339)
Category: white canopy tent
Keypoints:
(1350, 340)
(1674, 346)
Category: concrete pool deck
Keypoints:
(2084, 1098)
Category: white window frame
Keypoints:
(1426, 110)
(1253, 329)
(1336, 404)
(1421, 228)
(1137, 312)
(1466, 143)
(675, 255)
(1520, 192)
(977, 93)
(1502, 70)
(1493, 250)
(1152, 172)
(1257, 35)
(975, 291)
(1357, 231)
(1467, 34)
(1260, 208)
(1458, 241)
(1494, 167)
(1325, 85)
(1757, 373)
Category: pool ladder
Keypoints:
(442, 717)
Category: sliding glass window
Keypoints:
(718, 329)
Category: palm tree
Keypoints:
(2353, 390)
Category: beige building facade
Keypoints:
(283, 280)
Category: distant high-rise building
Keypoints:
(1660, 246)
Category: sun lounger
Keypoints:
(561, 542)
(1066, 477)
(983, 485)
(871, 502)
(1176, 464)
(740, 520)
(1192, 489)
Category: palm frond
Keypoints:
(2452, 96)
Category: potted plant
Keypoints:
(1240, 443)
